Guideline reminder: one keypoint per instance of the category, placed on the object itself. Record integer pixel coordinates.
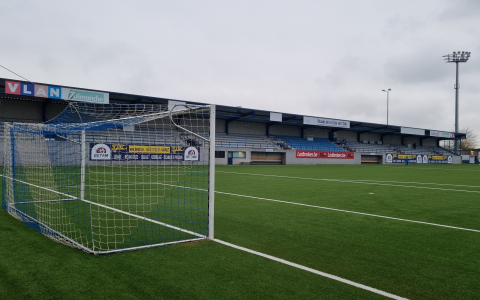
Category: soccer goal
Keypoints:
(112, 178)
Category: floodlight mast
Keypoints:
(457, 57)
(388, 91)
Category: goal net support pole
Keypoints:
(211, 179)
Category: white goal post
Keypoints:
(109, 178)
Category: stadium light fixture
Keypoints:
(388, 91)
(457, 57)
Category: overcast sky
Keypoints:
(320, 58)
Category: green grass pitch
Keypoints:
(259, 207)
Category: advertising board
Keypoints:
(54, 92)
(418, 159)
(124, 152)
(326, 122)
(324, 154)
(448, 135)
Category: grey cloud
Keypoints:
(330, 59)
(460, 10)
(399, 27)
(417, 67)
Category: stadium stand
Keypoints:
(318, 144)
(355, 146)
(371, 147)
(424, 150)
(236, 140)
(164, 139)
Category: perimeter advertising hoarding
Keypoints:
(54, 92)
(324, 154)
(124, 152)
(418, 158)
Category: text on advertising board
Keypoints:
(54, 92)
(326, 122)
(448, 135)
(418, 158)
(123, 152)
(324, 154)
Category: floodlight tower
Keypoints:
(457, 57)
(388, 91)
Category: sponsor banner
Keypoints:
(100, 152)
(124, 152)
(277, 117)
(324, 154)
(448, 135)
(418, 158)
(408, 130)
(326, 122)
(54, 92)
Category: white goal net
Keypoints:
(110, 178)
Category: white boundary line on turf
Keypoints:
(301, 267)
(111, 208)
(352, 181)
(335, 209)
(346, 180)
(352, 212)
(423, 169)
(424, 183)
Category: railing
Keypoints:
(224, 144)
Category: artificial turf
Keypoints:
(412, 260)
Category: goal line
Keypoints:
(79, 245)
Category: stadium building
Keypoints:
(251, 136)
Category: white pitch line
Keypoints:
(359, 180)
(425, 169)
(335, 209)
(41, 187)
(145, 218)
(424, 183)
(351, 212)
(352, 181)
(115, 209)
(301, 267)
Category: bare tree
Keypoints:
(471, 141)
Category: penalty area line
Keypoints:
(317, 272)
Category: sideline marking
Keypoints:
(335, 209)
(425, 168)
(352, 212)
(352, 181)
(424, 183)
(301, 267)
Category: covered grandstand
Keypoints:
(251, 136)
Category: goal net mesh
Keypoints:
(109, 178)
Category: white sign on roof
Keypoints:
(415, 131)
(325, 122)
(277, 117)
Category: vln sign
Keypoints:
(54, 92)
